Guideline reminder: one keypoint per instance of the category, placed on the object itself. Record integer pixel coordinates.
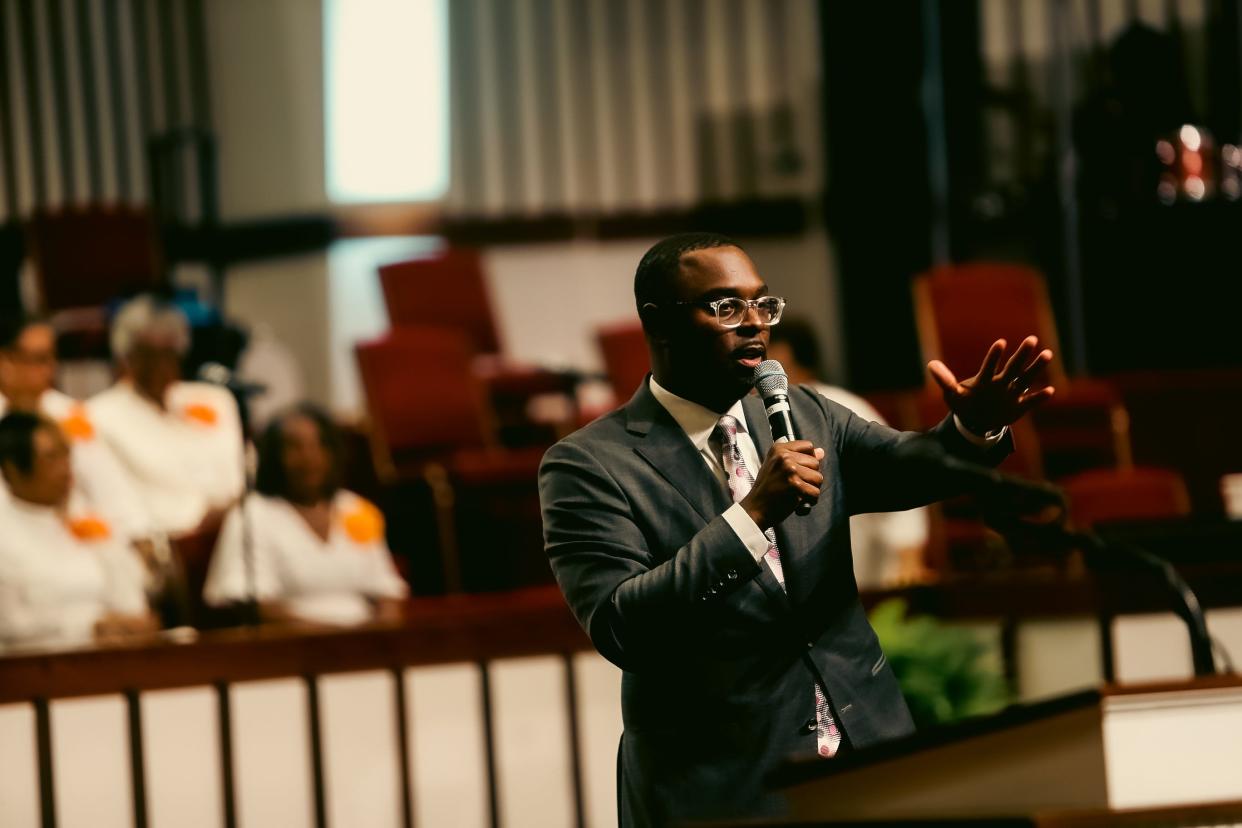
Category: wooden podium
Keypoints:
(1155, 748)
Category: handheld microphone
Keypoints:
(773, 386)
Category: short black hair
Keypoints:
(17, 430)
(797, 333)
(658, 268)
(13, 325)
(270, 478)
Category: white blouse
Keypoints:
(59, 576)
(184, 460)
(324, 581)
(99, 480)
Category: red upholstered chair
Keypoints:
(626, 360)
(449, 289)
(431, 423)
(961, 309)
(84, 258)
(1108, 495)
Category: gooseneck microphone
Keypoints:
(773, 386)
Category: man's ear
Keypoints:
(654, 321)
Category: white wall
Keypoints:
(266, 64)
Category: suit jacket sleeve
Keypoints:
(877, 478)
(640, 605)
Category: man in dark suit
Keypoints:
(736, 623)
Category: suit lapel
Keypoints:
(669, 452)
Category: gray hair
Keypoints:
(145, 315)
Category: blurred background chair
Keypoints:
(434, 438)
(626, 361)
(960, 309)
(449, 289)
(1108, 495)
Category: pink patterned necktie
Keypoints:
(740, 480)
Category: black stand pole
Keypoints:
(1101, 555)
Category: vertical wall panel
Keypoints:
(532, 742)
(361, 763)
(682, 149)
(600, 98)
(547, 137)
(82, 51)
(599, 711)
(90, 763)
(8, 122)
(181, 738)
(645, 60)
(271, 745)
(491, 127)
(1225, 625)
(124, 109)
(449, 785)
(1151, 647)
(530, 162)
(86, 83)
(589, 153)
(1057, 656)
(19, 769)
(58, 56)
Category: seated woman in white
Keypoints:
(27, 370)
(180, 442)
(302, 547)
(65, 579)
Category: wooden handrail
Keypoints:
(436, 631)
(534, 621)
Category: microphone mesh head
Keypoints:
(770, 378)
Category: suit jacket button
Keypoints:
(811, 726)
(731, 574)
(810, 645)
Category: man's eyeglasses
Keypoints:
(732, 310)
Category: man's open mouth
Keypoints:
(750, 355)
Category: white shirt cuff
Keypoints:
(982, 441)
(747, 531)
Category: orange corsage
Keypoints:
(201, 414)
(364, 523)
(90, 528)
(77, 426)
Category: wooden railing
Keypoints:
(463, 630)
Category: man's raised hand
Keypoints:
(994, 398)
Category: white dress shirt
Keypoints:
(328, 581)
(55, 584)
(698, 422)
(184, 459)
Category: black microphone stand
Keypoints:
(222, 377)
(1100, 555)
